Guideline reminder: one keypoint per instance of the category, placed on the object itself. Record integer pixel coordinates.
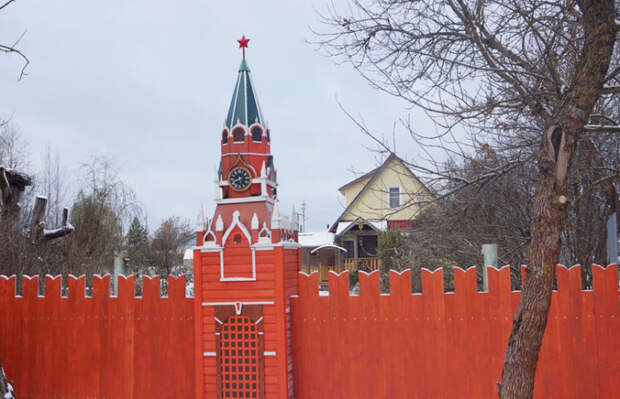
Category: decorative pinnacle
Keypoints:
(243, 44)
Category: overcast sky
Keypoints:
(148, 83)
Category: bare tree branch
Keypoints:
(5, 48)
(6, 4)
(522, 78)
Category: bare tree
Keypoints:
(452, 230)
(101, 211)
(167, 244)
(12, 48)
(52, 182)
(13, 147)
(523, 76)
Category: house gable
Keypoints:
(372, 200)
(351, 190)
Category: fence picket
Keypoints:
(458, 337)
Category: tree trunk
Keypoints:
(548, 216)
(531, 316)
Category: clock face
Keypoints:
(239, 179)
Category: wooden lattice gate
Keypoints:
(239, 358)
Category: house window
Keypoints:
(238, 135)
(225, 136)
(257, 134)
(394, 197)
(349, 245)
(367, 246)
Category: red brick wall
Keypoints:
(450, 345)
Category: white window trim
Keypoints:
(399, 197)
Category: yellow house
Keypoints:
(388, 197)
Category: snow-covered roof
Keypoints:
(316, 238)
(327, 246)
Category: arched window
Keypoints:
(225, 136)
(238, 135)
(268, 136)
(257, 134)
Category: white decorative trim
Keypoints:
(244, 200)
(234, 103)
(254, 222)
(399, 199)
(209, 243)
(260, 180)
(288, 245)
(215, 248)
(259, 320)
(254, 180)
(241, 302)
(254, 124)
(275, 216)
(246, 153)
(241, 126)
(219, 223)
(245, 98)
(264, 240)
(266, 231)
(236, 222)
(208, 354)
(429, 270)
(253, 278)
(218, 320)
(263, 247)
(269, 353)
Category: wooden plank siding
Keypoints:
(99, 346)
(438, 344)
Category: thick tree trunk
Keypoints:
(531, 316)
(557, 149)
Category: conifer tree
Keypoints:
(137, 246)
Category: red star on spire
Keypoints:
(243, 43)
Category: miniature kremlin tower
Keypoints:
(245, 265)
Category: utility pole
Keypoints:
(302, 226)
(489, 251)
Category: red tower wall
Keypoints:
(268, 297)
(450, 345)
(94, 347)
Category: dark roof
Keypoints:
(17, 179)
(244, 108)
(362, 177)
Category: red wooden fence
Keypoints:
(402, 345)
(97, 347)
(450, 345)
